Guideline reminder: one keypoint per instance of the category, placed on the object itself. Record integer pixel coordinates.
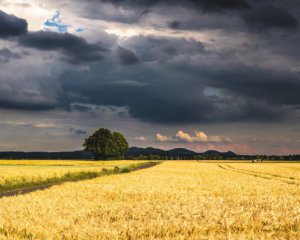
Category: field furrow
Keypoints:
(261, 175)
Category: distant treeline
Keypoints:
(149, 154)
(217, 157)
(251, 157)
(185, 154)
(46, 155)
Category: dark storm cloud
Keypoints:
(74, 49)
(268, 17)
(216, 5)
(6, 55)
(174, 24)
(19, 91)
(220, 22)
(144, 102)
(26, 105)
(5, 52)
(237, 15)
(172, 85)
(266, 85)
(126, 56)
(135, 12)
(172, 102)
(175, 92)
(77, 131)
(156, 49)
(205, 5)
(81, 107)
(11, 26)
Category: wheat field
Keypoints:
(174, 200)
(18, 173)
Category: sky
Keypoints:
(199, 74)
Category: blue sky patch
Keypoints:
(55, 24)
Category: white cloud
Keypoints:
(227, 140)
(44, 125)
(162, 138)
(140, 138)
(184, 137)
(197, 137)
(14, 123)
(201, 136)
(215, 139)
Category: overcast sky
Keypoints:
(200, 74)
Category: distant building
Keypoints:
(257, 160)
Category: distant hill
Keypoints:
(175, 153)
(181, 151)
(224, 154)
(148, 153)
(133, 152)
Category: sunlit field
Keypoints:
(17, 174)
(73, 163)
(173, 200)
(288, 171)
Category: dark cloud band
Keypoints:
(11, 26)
(205, 5)
(268, 17)
(74, 49)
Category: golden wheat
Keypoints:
(17, 173)
(174, 200)
(285, 170)
(66, 162)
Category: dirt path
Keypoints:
(148, 165)
(42, 187)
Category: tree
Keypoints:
(104, 144)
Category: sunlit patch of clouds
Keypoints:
(33, 13)
(28, 124)
(161, 138)
(123, 32)
(44, 125)
(197, 137)
(140, 138)
(14, 123)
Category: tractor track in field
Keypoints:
(42, 187)
(268, 174)
(261, 175)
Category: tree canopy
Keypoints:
(104, 144)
